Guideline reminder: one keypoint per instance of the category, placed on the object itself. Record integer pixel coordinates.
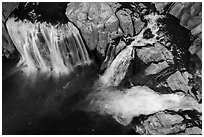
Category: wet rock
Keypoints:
(96, 21)
(103, 42)
(179, 81)
(156, 68)
(114, 5)
(138, 25)
(110, 54)
(193, 131)
(149, 54)
(7, 44)
(161, 123)
(196, 45)
(155, 53)
(168, 119)
(160, 6)
(176, 9)
(189, 13)
(121, 45)
(7, 8)
(125, 22)
(197, 30)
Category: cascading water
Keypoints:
(46, 47)
(123, 105)
(64, 103)
(116, 72)
(126, 104)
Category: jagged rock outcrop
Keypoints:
(97, 23)
(164, 123)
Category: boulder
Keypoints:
(96, 21)
(193, 131)
(160, 6)
(179, 81)
(125, 22)
(161, 123)
(154, 68)
(155, 53)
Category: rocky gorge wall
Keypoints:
(169, 62)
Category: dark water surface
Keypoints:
(46, 105)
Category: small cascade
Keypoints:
(116, 72)
(47, 48)
(118, 68)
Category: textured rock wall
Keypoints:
(165, 65)
(7, 44)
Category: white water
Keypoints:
(138, 100)
(47, 48)
(129, 103)
(116, 72)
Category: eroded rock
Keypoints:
(96, 21)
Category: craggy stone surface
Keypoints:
(190, 15)
(156, 53)
(161, 124)
(179, 81)
(97, 22)
(7, 44)
(154, 68)
(170, 64)
(125, 22)
(188, 12)
(164, 123)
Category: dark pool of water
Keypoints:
(46, 105)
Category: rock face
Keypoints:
(164, 123)
(7, 44)
(190, 15)
(188, 12)
(97, 22)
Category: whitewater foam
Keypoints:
(123, 105)
(47, 48)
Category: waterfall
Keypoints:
(118, 68)
(116, 72)
(47, 48)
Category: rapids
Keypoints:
(126, 104)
